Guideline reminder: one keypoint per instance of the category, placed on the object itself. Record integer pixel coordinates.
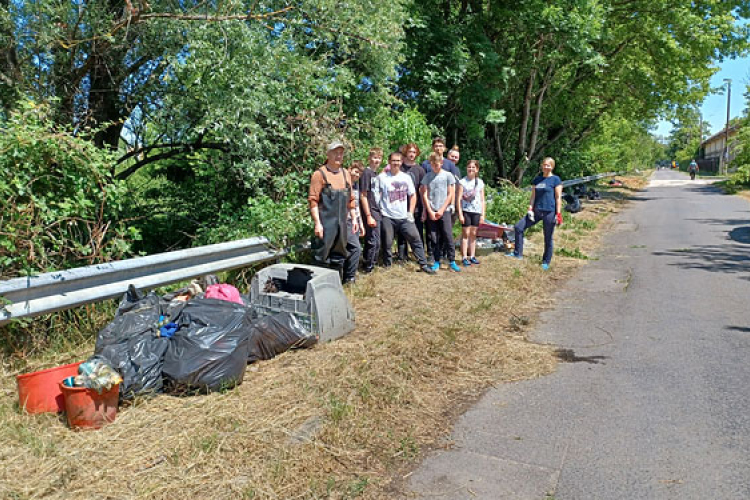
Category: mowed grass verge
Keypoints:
(347, 419)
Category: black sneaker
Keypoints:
(428, 269)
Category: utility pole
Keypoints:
(725, 154)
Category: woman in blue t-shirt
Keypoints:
(545, 205)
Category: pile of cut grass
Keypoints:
(342, 420)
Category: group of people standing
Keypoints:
(415, 205)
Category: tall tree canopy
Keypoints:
(214, 112)
(542, 75)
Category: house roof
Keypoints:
(721, 133)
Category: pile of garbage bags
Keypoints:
(192, 340)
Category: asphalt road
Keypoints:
(655, 401)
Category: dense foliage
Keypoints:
(741, 162)
(60, 203)
(202, 121)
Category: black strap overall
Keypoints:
(332, 210)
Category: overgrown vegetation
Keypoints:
(61, 206)
(346, 419)
(209, 118)
(740, 179)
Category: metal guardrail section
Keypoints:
(55, 291)
(590, 178)
(584, 180)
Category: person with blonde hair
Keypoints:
(545, 206)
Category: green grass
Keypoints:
(574, 253)
(588, 225)
(337, 409)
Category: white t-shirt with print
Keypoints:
(471, 201)
(395, 191)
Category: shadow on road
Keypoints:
(740, 235)
(744, 329)
(723, 222)
(707, 189)
(569, 356)
(713, 258)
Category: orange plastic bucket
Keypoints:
(87, 409)
(39, 392)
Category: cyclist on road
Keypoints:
(693, 169)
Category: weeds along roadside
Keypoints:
(343, 420)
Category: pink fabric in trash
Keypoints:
(223, 292)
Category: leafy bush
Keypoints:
(408, 126)
(59, 199)
(741, 177)
(283, 222)
(506, 204)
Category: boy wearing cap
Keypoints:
(331, 199)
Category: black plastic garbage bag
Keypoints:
(272, 335)
(130, 345)
(209, 351)
(572, 203)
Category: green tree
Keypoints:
(560, 68)
(60, 206)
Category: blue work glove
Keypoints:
(168, 330)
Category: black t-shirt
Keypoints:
(366, 185)
(448, 166)
(416, 173)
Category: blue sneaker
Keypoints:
(545, 266)
(466, 262)
(436, 266)
(454, 267)
(513, 255)
(474, 261)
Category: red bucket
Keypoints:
(39, 392)
(87, 409)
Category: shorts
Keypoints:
(471, 219)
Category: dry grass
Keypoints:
(343, 420)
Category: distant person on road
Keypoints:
(545, 205)
(398, 198)
(693, 169)
(471, 208)
(332, 208)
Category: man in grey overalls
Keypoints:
(331, 198)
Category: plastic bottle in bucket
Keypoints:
(87, 409)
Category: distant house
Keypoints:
(709, 156)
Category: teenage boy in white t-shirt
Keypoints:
(398, 199)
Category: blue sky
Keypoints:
(715, 105)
